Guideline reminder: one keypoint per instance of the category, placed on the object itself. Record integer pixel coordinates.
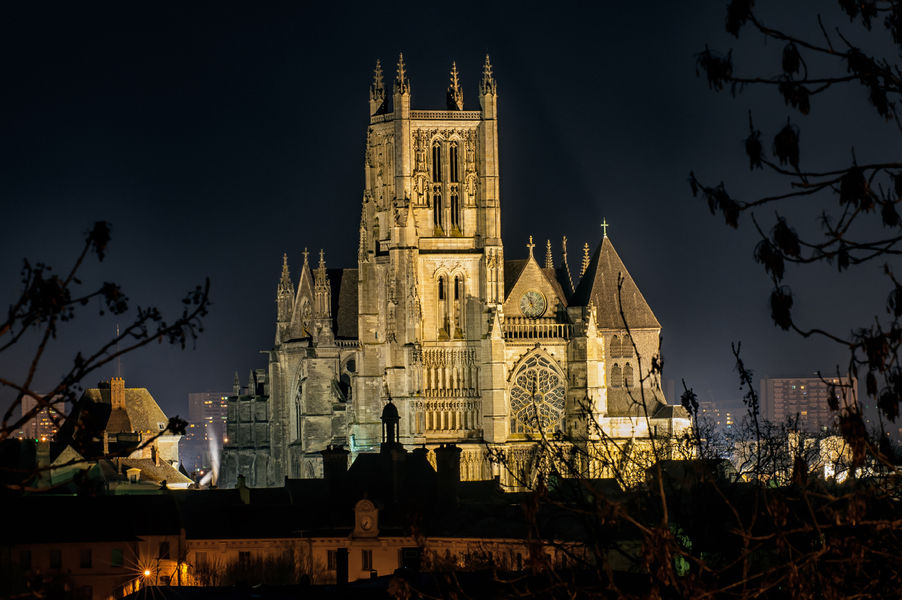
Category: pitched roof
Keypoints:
(344, 302)
(141, 412)
(599, 286)
(514, 268)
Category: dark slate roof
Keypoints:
(599, 286)
(623, 403)
(344, 302)
(512, 270)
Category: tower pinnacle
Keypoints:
(285, 281)
(455, 95)
(530, 245)
(402, 85)
(549, 262)
(488, 80)
(377, 91)
(585, 265)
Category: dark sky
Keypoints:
(216, 137)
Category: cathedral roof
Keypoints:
(599, 287)
(513, 269)
(344, 302)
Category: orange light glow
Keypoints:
(147, 572)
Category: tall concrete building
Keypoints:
(806, 398)
(206, 429)
(43, 426)
(471, 347)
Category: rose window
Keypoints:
(537, 397)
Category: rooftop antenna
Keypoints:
(118, 356)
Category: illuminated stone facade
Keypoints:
(472, 348)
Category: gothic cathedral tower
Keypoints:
(430, 263)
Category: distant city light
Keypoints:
(147, 572)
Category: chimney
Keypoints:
(106, 443)
(117, 393)
(335, 463)
(447, 464)
(244, 492)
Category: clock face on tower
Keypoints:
(532, 304)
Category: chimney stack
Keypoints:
(117, 393)
(447, 464)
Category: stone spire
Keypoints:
(322, 292)
(549, 262)
(585, 264)
(455, 95)
(284, 294)
(285, 281)
(402, 84)
(488, 80)
(236, 385)
(563, 271)
(377, 91)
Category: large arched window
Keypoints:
(616, 377)
(615, 347)
(627, 376)
(537, 396)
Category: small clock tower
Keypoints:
(366, 519)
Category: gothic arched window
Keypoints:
(615, 347)
(537, 396)
(436, 162)
(455, 210)
(452, 162)
(616, 377)
(627, 376)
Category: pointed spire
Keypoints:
(564, 269)
(488, 80)
(549, 262)
(402, 85)
(305, 255)
(361, 249)
(236, 385)
(285, 281)
(377, 91)
(455, 95)
(251, 384)
(585, 265)
(321, 267)
(530, 245)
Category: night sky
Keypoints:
(216, 137)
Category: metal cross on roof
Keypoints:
(530, 245)
(604, 227)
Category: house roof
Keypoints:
(141, 412)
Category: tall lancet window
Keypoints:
(458, 307)
(438, 206)
(436, 163)
(452, 163)
(442, 308)
(454, 191)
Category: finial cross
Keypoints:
(305, 253)
(604, 227)
(530, 245)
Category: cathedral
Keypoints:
(470, 347)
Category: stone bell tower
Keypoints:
(430, 261)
